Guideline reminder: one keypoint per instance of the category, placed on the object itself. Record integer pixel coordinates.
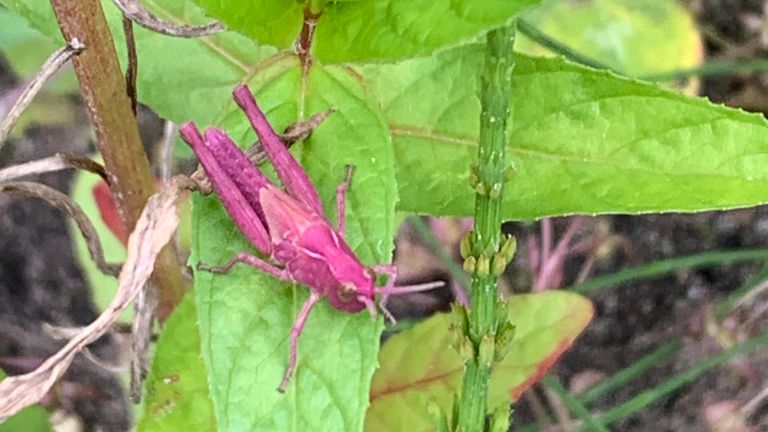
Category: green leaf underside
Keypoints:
(581, 141)
(420, 368)
(176, 396)
(368, 30)
(387, 30)
(268, 22)
(246, 317)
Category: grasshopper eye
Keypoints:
(347, 292)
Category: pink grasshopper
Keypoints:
(289, 226)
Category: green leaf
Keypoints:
(581, 141)
(395, 29)
(638, 37)
(246, 316)
(368, 30)
(268, 22)
(419, 368)
(177, 395)
(31, 419)
(181, 79)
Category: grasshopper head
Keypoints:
(355, 292)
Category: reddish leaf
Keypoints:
(418, 367)
(108, 211)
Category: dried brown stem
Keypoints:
(166, 150)
(68, 206)
(141, 16)
(103, 89)
(141, 336)
(304, 41)
(132, 70)
(54, 62)
(57, 162)
(153, 230)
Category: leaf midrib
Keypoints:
(418, 132)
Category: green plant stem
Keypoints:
(647, 397)
(734, 298)
(491, 169)
(660, 268)
(620, 378)
(117, 133)
(712, 68)
(558, 47)
(573, 404)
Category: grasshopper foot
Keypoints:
(212, 268)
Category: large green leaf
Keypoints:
(246, 317)
(385, 30)
(369, 30)
(580, 141)
(181, 79)
(177, 397)
(419, 368)
(269, 22)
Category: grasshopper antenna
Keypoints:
(388, 290)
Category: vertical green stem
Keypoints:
(486, 240)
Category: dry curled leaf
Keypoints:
(57, 162)
(156, 225)
(67, 205)
(54, 62)
(141, 16)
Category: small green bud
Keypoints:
(460, 318)
(498, 264)
(465, 245)
(481, 188)
(470, 264)
(502, 312)
(474, 175)
(509, 172)
(500, 418)
(466, 351)
(495, 191)
(486, 354)
(504, 336)
(473, 179)
(509, 248)
(459, 327)
(483, 267)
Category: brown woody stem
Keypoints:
(109, 107)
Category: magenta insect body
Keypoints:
(288, 226)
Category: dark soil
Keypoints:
(40, 281)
